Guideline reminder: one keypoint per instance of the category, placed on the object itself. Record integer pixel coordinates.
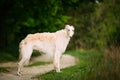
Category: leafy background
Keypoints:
(96, 24)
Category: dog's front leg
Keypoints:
(56, 61)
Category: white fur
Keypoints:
(49, 43)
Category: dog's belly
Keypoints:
(45, 47)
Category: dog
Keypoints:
(53, 44)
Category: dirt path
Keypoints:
(29, 72)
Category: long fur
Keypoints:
(53, 44)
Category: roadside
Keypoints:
(29, 72)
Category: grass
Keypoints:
(4, 69)
(35, 54)
(38, 64)
(92, 65)
(5, 57)
(81, 71)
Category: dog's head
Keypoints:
(70, 30)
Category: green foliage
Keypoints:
(105, 23)
(81, 20)
(36, 53)
(96, 25)
(25, 17)
(4, 57)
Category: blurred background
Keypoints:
(96, 22)
(96, 42)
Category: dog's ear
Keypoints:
(67, 27)
(73, 27)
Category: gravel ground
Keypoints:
(29, 72)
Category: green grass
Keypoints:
(7, 56)
(92, 65)
(84, 70)
(38, 64)
(4, 69)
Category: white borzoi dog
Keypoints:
(49, 43)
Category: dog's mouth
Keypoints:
(70, 36)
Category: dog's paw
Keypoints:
(19, 74)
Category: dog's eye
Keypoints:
(68, 30)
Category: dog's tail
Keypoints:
(20, 56)
(20, 49)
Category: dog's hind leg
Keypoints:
(23, 61)
(20, 65)
(26, 54)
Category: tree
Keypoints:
(18, 18)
